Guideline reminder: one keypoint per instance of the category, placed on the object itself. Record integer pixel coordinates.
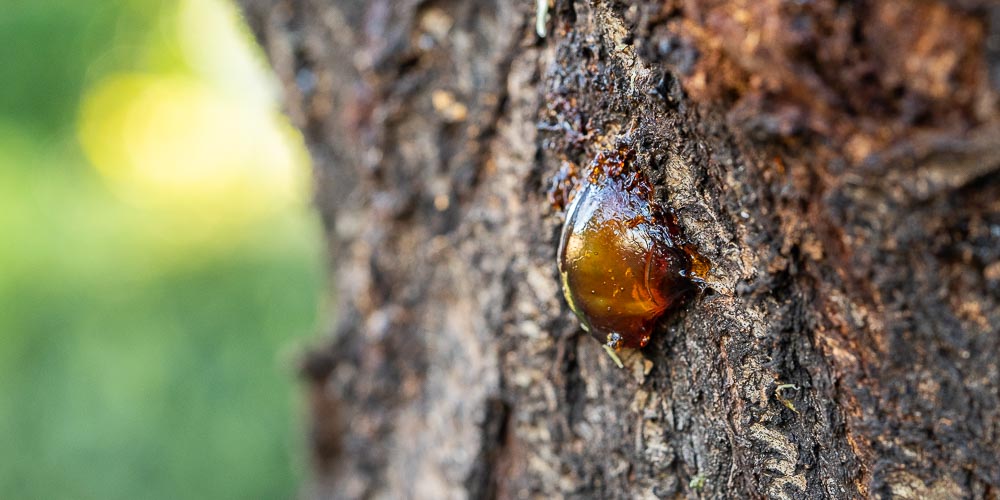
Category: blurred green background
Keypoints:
(159, 264)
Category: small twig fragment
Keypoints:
(614, 356)
(779, 395)
(541, 15)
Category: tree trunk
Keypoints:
(836, 162)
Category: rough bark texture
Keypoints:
(837, 162)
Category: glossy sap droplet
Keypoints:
(619, 260)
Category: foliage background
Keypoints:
(159, 265)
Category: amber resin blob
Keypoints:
(621, 261)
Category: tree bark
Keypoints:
(836, 162)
